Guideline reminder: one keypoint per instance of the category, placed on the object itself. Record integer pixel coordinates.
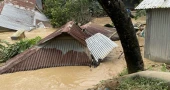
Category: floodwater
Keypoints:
(63, 78)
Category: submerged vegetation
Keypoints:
(8, 50)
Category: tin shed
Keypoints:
(157, 38)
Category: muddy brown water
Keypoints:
(63, 78)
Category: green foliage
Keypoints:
(96, 9)
(8, 50)
(142, 83)
(124, 72)
(164, 68)
(140, 13)
(61, 11)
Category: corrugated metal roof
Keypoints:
(1, 5)
(70, 28)
(39, 4)
(27, 4)
(66, 47)
(46, 57)
(40, 16)
(100, 46)
(151, 4)
(91, 29)
(17, 19)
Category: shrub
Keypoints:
(61, 11)
(8, 50)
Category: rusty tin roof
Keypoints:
(70, 28)
(53, 51)
(27, 4)
(92, 29)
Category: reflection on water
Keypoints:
(61, 78)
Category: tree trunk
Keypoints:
(118, 14)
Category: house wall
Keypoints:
(68, 50)
(66, 43)
(157, 38)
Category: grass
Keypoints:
(141, 83)
(164, 68)
(158, 67)
(124, 72)
(134, 83)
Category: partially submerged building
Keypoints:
(22, 14)
(157, 38)
(69, 46)
(91, 29)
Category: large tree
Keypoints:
(117, 12)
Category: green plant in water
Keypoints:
(8, 50)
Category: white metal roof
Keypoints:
(19, 19)
(100, 46)
(152, 4)
(15, 18)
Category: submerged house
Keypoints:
(22, 14)
(69, 46)
(91, 29)
(157, 38)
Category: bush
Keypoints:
(140, 13)
(8, 50)
(96, 9)
(61, 11)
